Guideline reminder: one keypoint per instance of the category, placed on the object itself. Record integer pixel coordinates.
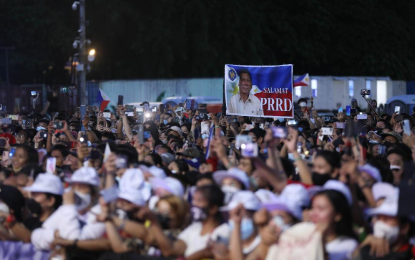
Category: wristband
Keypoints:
(11, 220)
(297, 159)
(216, 126)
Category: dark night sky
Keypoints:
(184, 38)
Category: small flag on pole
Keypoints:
(107, 152)
(302, 81)
(103, 100)
(211, 134)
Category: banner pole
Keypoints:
(224, 100)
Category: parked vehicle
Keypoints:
(406, 102)
(173, 101)
(214, 104)
(152, 104)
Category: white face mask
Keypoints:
(383, 230)
(279, 221)
(229, 192)
(82, 200)
(152, 202)
(4, 208)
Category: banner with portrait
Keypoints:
(259, 91)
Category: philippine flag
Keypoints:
(302, 81)
(103, 100)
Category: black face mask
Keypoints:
(379, 130)
(34, 207)
(131, 214)
(320, 179)
(66, 168)
(122, 214)
(163, 220)
(387, 144)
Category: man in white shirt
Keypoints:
(245, 103)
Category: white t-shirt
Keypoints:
(196, 242)
(252, 246)
(252, 106)
(341, 248)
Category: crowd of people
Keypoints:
(172, 182)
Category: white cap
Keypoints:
(372, 171)
(285, 204)
(235, 173)
(177, 129)
(157, 172)
(134, 179)
(169, 184)
(167, 157)
(385, 190)
(245, 197)
(388, 208)
(340, 187)
(132, 195)
(86, 175)
(46, 183)
(179, 109)
(373, 133)
(265, 195)
(313, 190)
(297, 193)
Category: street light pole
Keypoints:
(82, 49)
(6, 49)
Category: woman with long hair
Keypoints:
(207, 226)
(332, 215)
(76, 218)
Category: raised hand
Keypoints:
(292, 143)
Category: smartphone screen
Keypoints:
(406, 127)
(348, 110)
(327, 131)
(249, 150)
(106, 115)
(146, 135)
(83, 139)
(12, 151)
(51, 165)
(279, 132)
(362, 117)
(140, 134)
(292, 122)
(397, 109)
(120, 100)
